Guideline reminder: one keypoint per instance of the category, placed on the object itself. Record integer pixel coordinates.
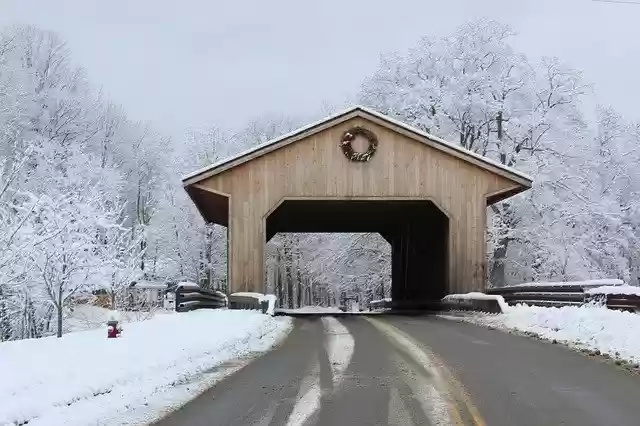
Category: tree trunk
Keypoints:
(59, 315)
(112, 296)
(288, 261)
(209, 251)
(278, 280)
(299, 284)
(497, 276)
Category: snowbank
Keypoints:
(608, 289)
(258, 296)
(313, 310)
(84, 378)
(586, 284)
(478, 296)
(271, 298)
(590, 327)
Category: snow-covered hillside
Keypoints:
(84, 378)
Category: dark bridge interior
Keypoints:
(417, 231)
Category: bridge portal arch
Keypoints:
(416, 229)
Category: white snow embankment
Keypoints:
(313, 310)
(154, 366)
(478, 296)
(584, 327)
(621, 289)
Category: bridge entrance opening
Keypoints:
(328, 269)
(417, 231)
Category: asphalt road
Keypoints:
(393, 370)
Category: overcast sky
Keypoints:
(194, 63)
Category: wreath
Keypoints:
(350, 135)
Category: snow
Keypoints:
(479, 296)
(589, 283)
(258, 296)
(187, 285)
(309, 398)
(339, 346)
(151, 285)
(608, 289)
(589, 327)
(156, 365)
(313, 310)
(386, 299)
(272, 299)
(88, 317)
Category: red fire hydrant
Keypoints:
(113, 329)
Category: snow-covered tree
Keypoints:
(473, 88)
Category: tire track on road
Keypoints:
(443, 399)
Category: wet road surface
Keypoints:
(399, 370)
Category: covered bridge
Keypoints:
(361, 171)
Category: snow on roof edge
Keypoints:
(446, 143)
(349, 110)
(267, 143)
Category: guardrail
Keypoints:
(380, 304)
(192, 297)
(564, 295)
(240, 301)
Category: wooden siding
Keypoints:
(315, 167)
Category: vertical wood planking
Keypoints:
(316, 167)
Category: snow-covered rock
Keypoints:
(156, 365)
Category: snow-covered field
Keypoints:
(587, 327)
(156, 365)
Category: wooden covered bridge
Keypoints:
(361, 171)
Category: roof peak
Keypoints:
(355, 110)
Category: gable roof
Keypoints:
(368, 114)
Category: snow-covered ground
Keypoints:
(586, 327)
(156, 365)
(312, 310)
(89, 317)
